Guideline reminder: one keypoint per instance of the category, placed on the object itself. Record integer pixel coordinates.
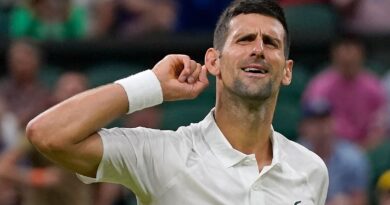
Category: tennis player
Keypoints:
(232, 156)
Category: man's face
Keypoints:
(23, 62)
(348, 59)
(68, 85)
(252, 63)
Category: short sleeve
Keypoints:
(319, 181)
(138, 158)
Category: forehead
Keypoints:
(249, 23)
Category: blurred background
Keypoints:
(337, 104)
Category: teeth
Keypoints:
(255, 70)
(251, 70)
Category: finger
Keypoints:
(195, 74)
(203, 81)
(186, 63)
(203, 75)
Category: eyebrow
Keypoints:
(242, 34)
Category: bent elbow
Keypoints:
(37, 134)
(32, 132)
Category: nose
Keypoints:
(258, 48)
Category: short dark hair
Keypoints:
(348, 39)
(237, 7)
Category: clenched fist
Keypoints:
(180, 77)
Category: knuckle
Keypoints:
(193, 64)
(185, 57)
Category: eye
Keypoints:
(270, 42)
(247, 38)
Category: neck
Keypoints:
(247, 125)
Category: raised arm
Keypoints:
(67, 132)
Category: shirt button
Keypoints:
(247, 162)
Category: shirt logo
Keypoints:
(297, 202)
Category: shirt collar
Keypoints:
(224, 151)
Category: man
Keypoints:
(233, 156)
(22, 84)
(45, 183)
(355, 94)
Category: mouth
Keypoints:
(255, 69)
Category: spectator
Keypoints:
(347, 165)
(69, 84)
(48, 20)
(129, 18)
(355, 94)
(45, 183)
(21, 87)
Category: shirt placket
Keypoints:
(257, 194)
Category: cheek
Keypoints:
(278, 64)
(228, 64)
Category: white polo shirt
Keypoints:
(196, 165)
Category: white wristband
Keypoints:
(142, 89)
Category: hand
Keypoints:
(180, 77)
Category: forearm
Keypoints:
(67, 132)
(77, 118)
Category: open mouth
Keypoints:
(255, 70)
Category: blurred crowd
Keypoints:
(344, 108)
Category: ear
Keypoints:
(211, 61)
(287, 72)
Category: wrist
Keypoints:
(142, 89)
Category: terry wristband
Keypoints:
(142, 89)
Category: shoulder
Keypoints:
(371, 81)
(299, 158)
(306, 164)
(182, 139)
